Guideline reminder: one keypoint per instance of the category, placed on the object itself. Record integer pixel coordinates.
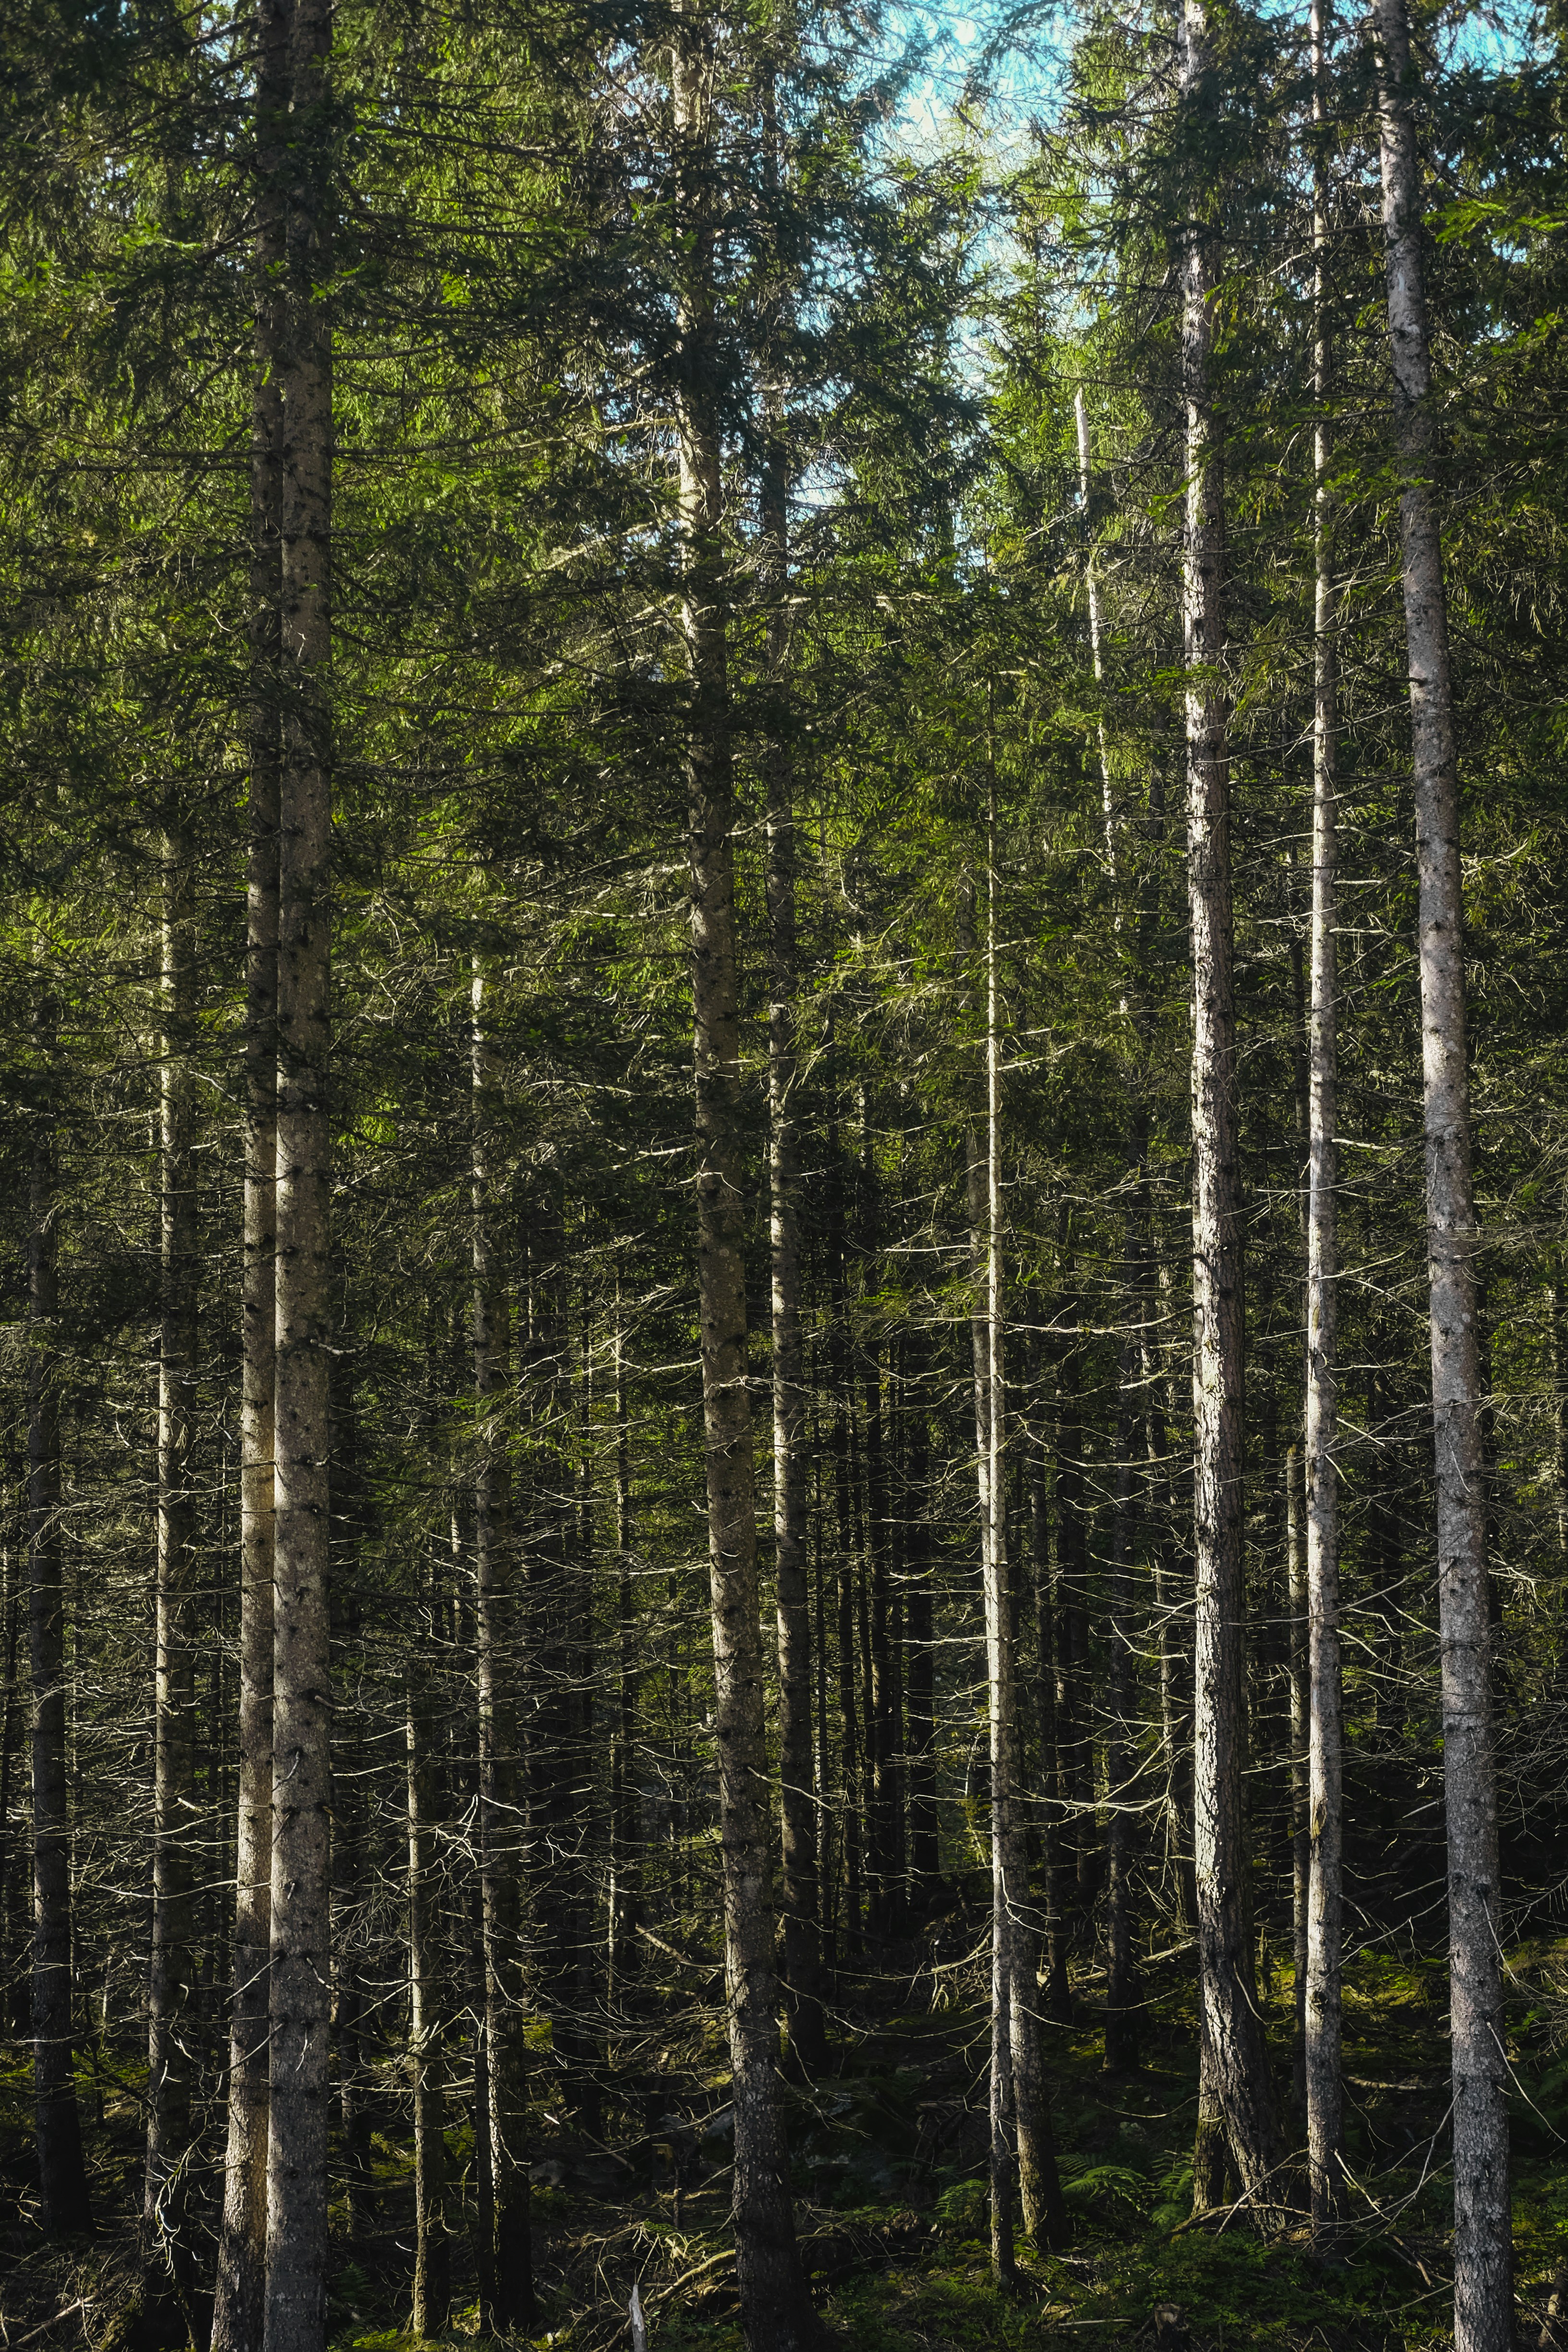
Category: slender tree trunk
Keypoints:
(1120, 2018)
(510, 2251)
(62, 2172)
(881, 1870)
(626, 1900)
(925, 1861)
(238, 2313)
(1017, 2086)
(1057, 1997)
(1325, 1808)
(10, 1630)
(1074, 1757)
(165, 2227)
(1300, 1836)
(849, 1724)
(774, 2310)
(296, 2305)
(351, 1858)
(985, 1248)
(1483, 2252)
(432, 2261)
(798, 1886)
(1237, 2056)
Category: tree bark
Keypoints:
(1057, 1995)
(1120, 2017)
(1301, 1835)
(925, 1859)
(10, 1937)
(167, 2242)
(62, 2171)
(301, 1868)
(625, 1896)
(774, 2310)
(432, 2258)
(509, 2255)
(1483, 2253)
(798, 1886)
(1237, 2056)
(241, 2281)
(1325, 1807)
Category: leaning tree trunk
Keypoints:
(774, 2310)
(1237, 2059)
(508, 2262)
(242, 2242)
(300, 1922)
(165, 2227)
(62, 2172)
(1483, 2252)
(798, 1887)
(1325, 1808)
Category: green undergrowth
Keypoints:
(889, 2173)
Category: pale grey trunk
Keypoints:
(1483, 2253)
(1300, 1840)
(1091, 583)
(427, 2058)
(1325, 1807)
(241, 2281)
(775, 2309)
(1017, 2105)
(1235, 2051)
(62, 2172)
(296, 2304)
(1120, 2019)
(507, 2267)
(799, 1881)
(165, 2232)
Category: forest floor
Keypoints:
(888, 2155)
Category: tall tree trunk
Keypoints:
(554, 1755)
(985, 1249)
(1237, 2055)
(849, 1724)
(353, 2001)
(510, 2256)
(1057, 1997)
(879, 1683)
(925, 1860)
(1017, 2086)
(10, 1631)
(1300, 1710)
(1074, 1755)
(165, 2225)
(1483, 2252)
(625, 1898)
(296, 2308)
(1325, 1808)
(774, 2310)
(241, 2283)
(798, 1886)
(1120, 2019)
(62, 2172)
(432, 2259)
